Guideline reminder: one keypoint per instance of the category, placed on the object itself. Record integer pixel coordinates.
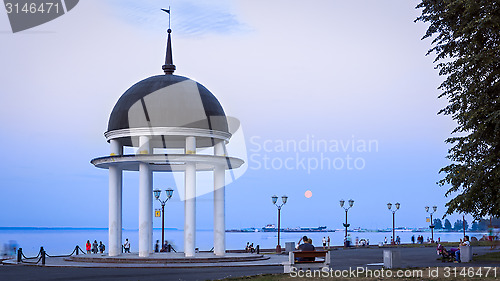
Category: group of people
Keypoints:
(348, 242)
(396, 241)
(420, 239)
(306, 245)
(326, 242)
(453, 252)
(95, 248)
(166, 247)
(249, 248)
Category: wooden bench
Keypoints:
(301, 264)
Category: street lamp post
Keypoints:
(434, 209)
(463, 224)
(389, 206)
(284, 198)
(346, 225)
(157, 193)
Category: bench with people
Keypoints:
(461, 254)
(305, 257)
(249, 248)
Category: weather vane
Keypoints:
(168, 12)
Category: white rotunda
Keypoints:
(158, 115)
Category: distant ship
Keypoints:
(273, 228)
(251, 229)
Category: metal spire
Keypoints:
(169, 66)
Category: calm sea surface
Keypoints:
(63, 241)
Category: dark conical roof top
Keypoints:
(167, 101)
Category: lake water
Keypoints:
(63, 241)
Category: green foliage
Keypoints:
(447, 224)
(459, 225)
(438, 224)
(475, 226)
(466, 42)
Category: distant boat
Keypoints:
(251, 229)
(311, 229)
(269, 228)
(273, 228)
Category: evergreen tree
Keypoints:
(438, 224)
(466, 42)
(475, 226)
(485, 224)
(459, 225)
(447, 224)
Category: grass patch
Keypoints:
(461, 273)
(494, 256)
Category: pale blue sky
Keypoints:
(333, 71)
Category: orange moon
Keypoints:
(308, 194)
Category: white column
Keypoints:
(145, 201)
(190, 201)
(115, 203)
(151, 211)
(219, 203)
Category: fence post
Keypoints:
(19, 254)
(42, 252)
(76, 249)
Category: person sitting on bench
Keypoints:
(457, 253)
(306, 246)
(445, 254)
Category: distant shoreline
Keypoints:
(70, 228)
(234, 230)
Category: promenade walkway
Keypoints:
(60, 269)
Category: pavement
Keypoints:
(61, 269)
(410, 257)
(161, 260)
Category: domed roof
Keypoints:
(168, 101)
(162, 106)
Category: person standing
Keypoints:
(328, 241)
(126, 246)
(413, 239)
(88, 246)
(157, 246)
(101, 247)
(94, 247)
(324, 242)
(385, 240)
